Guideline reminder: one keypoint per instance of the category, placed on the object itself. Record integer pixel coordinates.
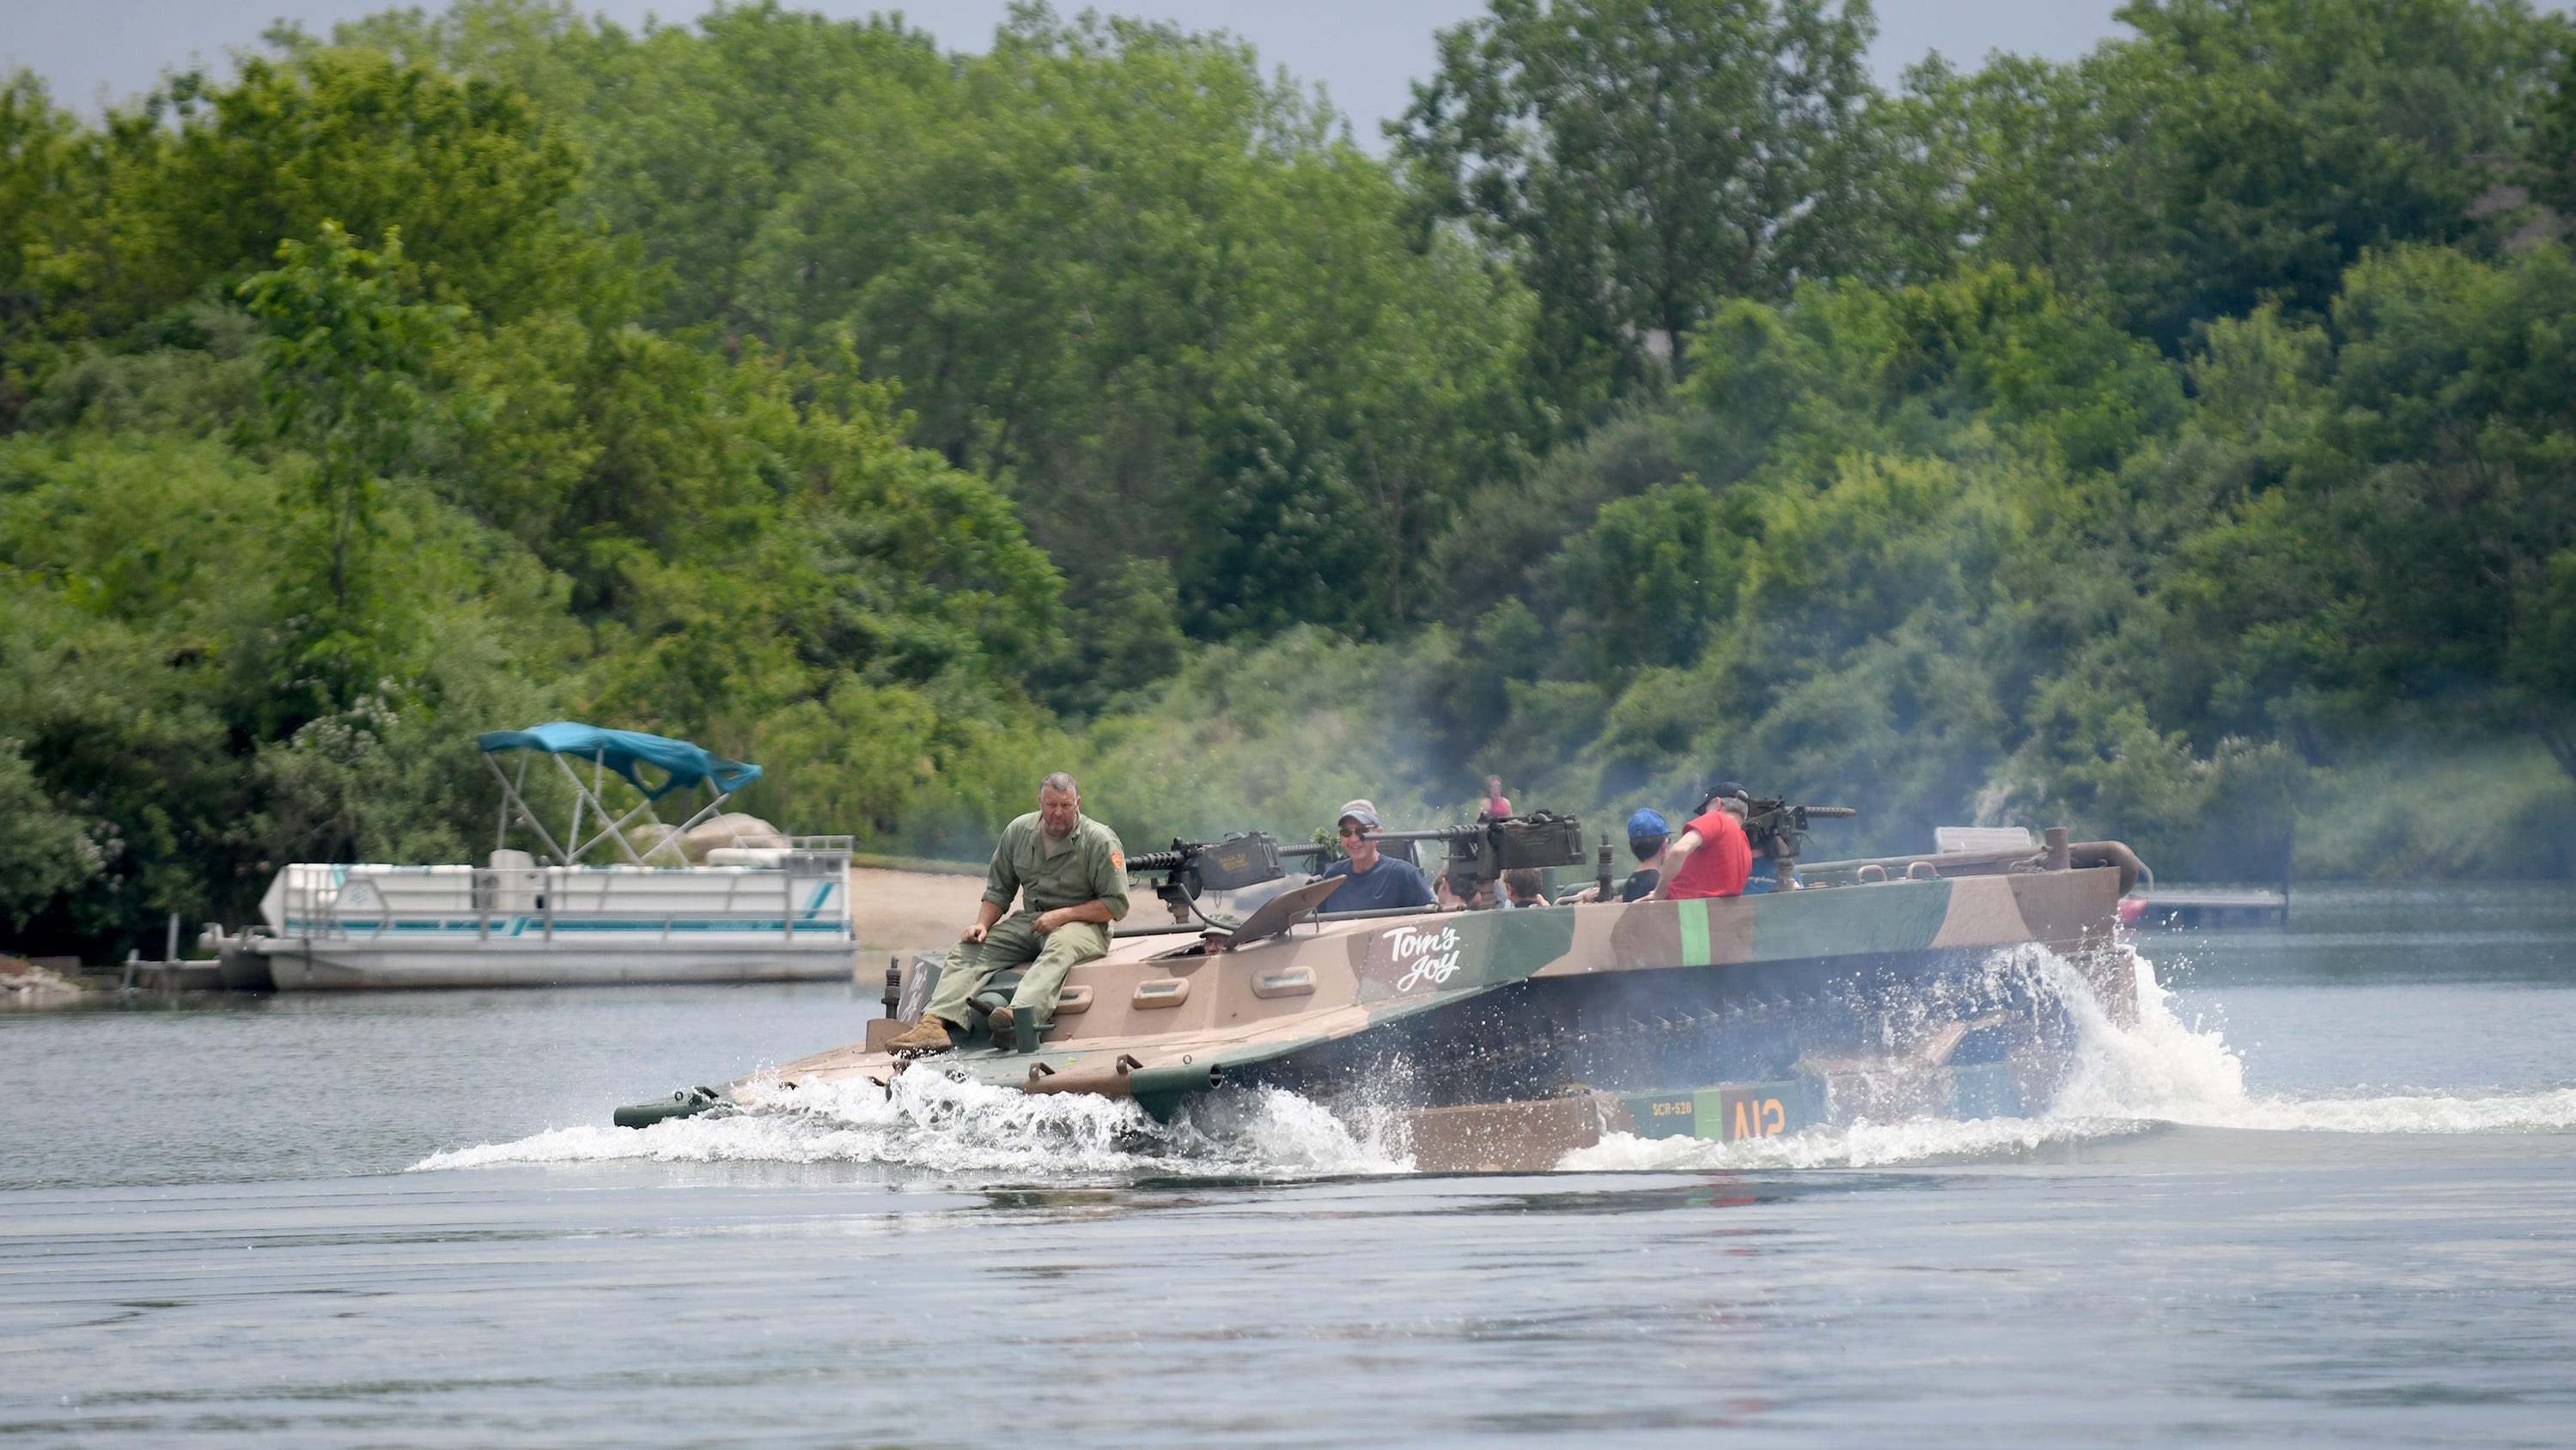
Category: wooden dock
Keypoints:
(2206, 906)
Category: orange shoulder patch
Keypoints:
(1117, 859)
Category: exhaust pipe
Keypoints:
(2110, 853)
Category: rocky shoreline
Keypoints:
(24, 986)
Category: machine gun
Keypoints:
(1191, 869)
(1778, 830)
(1480, 853)
(1477, 855)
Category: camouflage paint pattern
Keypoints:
(1161, 1017)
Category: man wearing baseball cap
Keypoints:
(1377, 881)
(1713, 857)
(1648, 835)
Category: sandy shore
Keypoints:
(905, 911)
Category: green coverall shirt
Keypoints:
(1087, 865)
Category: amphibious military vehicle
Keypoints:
(1500, 1039)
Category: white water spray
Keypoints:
(2124, 1079)
(951, 1126)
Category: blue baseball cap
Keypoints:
(1647, 822)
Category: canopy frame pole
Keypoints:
(707, 812)
(616, 829)
(511, 796)
(521, 790)
(580, 794)
(670, 842)
(572, 833)
(681, 763)
(599, 785)
(614, 826)
(651, 817)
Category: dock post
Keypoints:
(2289, 840)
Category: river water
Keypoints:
(2322, 1193)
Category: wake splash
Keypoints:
(944, 1125)
(2124, 1080)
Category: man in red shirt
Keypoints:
(1712, 858)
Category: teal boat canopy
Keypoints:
(623, 750)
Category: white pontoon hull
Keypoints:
(317, 965)
(783, 916)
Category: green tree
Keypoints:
(50, 194)
(72, 269)
(1642, 160)
(2244, 152)
(2550, 168)
(46, 854)
(2409, 554)
(467, 171)
(343, 370)
(1117, 270)
(1123, 274)
(693, 136)
(1652, 575)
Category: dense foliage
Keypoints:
(2178, 443)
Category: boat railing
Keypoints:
(2055, 853)
(324, 903)
(1917, 866)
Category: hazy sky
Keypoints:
(1364, 51)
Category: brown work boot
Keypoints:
(1000, 1023)
(922, 1038)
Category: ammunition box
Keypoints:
(1542, 840)
(1236, 862)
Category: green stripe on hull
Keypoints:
(1694, 919)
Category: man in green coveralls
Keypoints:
(1071, 878)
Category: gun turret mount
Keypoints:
(1478, 854)
(1778, 830)
(1191, 869)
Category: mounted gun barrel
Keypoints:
(1478, 854)
(1777, 829)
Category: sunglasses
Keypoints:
(1351, 831)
